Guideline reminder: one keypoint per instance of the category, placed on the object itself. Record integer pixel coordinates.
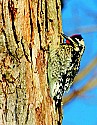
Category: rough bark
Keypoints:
(26, 30)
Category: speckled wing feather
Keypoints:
(59, 62)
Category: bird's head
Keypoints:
(76, 41)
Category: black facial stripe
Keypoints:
(79, 37)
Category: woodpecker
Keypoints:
(63, 65)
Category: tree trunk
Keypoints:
(27, 29)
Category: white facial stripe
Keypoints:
(77, 39)
(81, 42)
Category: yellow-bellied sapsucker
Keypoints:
(63, 65)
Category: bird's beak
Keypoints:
(66, 37)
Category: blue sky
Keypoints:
(79, 16)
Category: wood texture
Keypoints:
(26, 29)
